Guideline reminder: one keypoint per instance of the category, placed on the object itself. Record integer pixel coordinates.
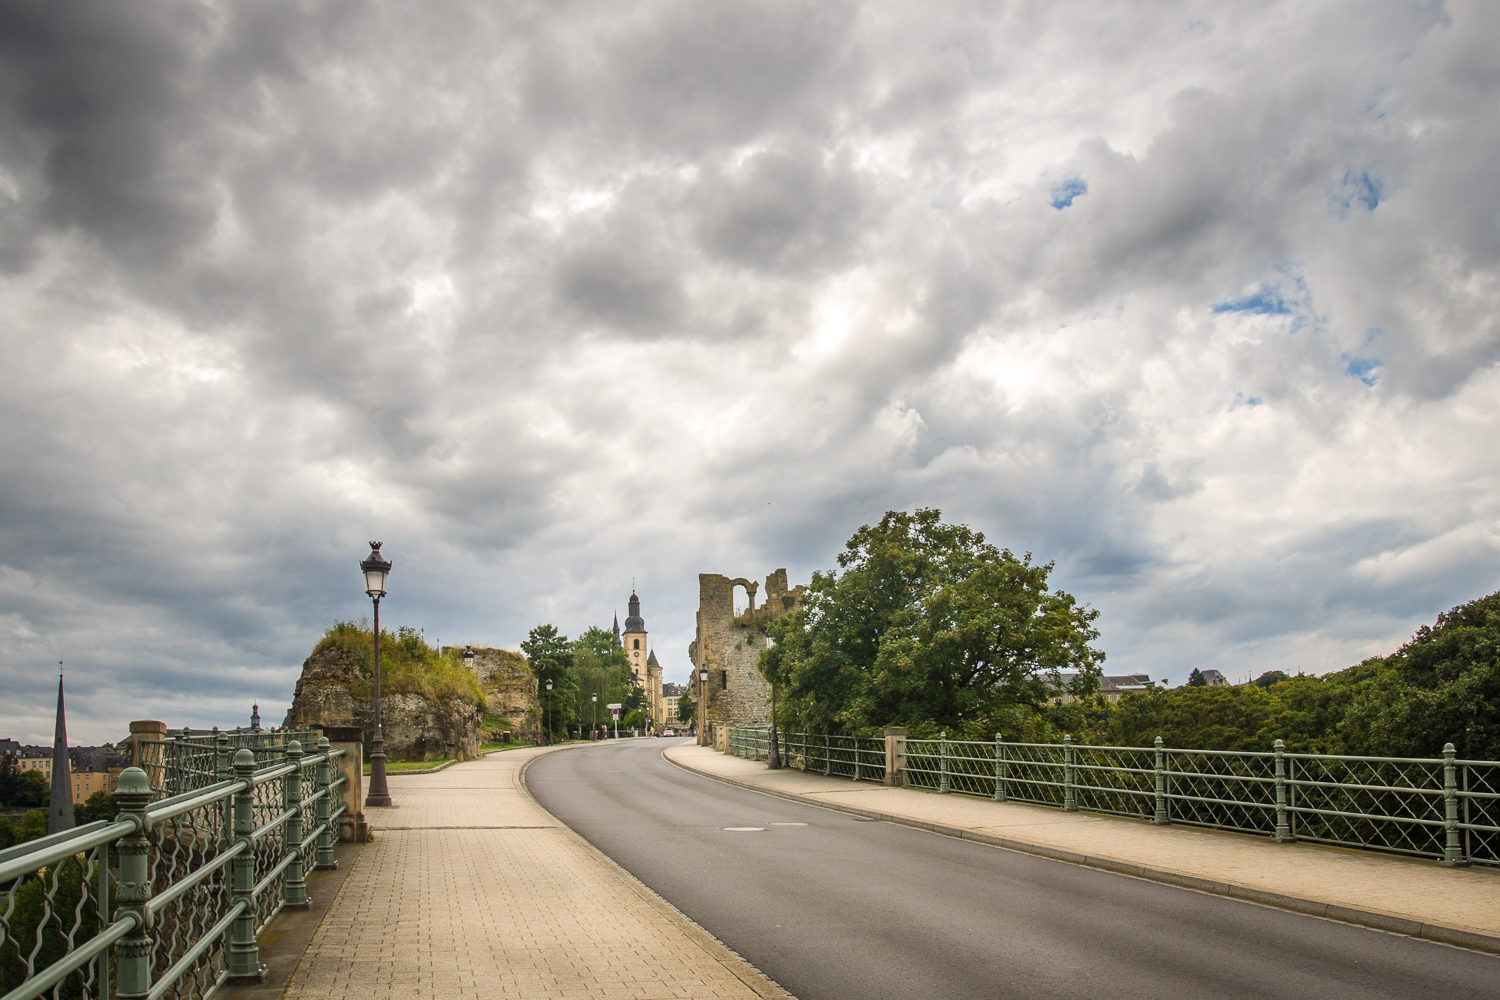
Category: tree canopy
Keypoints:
(927, 624)
(551, 658)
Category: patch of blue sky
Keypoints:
(1063, 192)
(1266, 301)
(1367, 370)
(1362, 187)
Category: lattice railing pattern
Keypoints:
(1439, 808)
(152, 900)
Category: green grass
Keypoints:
(486, 748)
(392, 766)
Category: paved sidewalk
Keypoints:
(472, 890)
(1406, 895)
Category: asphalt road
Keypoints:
(838, 908)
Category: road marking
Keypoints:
(745, 829)
(788, 824)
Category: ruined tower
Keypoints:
(728, 646)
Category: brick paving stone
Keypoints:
(472, 890)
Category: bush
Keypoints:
(407, 664)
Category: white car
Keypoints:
(668, 732)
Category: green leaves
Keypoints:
(927, 623)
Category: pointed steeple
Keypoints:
(633, 621)
(60, 815)
(617, 630)
(255, 718)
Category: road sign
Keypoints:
(614, 705)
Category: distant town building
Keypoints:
(1213, 678)
(1111, 686)
(645, 671)
(670, 693)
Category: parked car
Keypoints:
(668, 732)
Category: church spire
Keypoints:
(617, 630)
(60, 815)
(633, 621)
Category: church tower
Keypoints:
(634, 638)
(645, 672)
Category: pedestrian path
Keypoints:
(1421, 898)
(470, 889)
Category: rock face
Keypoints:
(415, 728)
(509, 690)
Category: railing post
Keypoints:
(942, 762)
(133, 890)
(827, 755)
(223, 771)
(999, 768)
(293, 883)
(244, 953)
(1070, 798)
(323, 859)
(895, 756)
(855, 741)
(1453, 855)
(1161, 785)
(1283, 828)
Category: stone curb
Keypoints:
(1363, 918)
(759, 983)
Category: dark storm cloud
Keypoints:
(553, 297)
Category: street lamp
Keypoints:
(595, 699)
(469, 657)
(703, 707)
(773, 761)
(376, 568)
(549, 711)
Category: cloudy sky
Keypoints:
(1197, 299)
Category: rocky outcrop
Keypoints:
(334, 690)
(509, 691)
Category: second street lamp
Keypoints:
(595, 699)
(376, 568)
(549, 711)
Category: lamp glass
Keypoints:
(375, 582)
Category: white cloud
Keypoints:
(1197, 299)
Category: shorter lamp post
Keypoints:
(376, 568)
(549, 711)
(595, 699)
(469, 657)
(703, 707)
(773, 762)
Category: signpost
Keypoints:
(614, 710)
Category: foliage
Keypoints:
(551, 658)
(22, 788)
(100, 805)
(30, 914)
(928, 626)
(407, 664)
(1196, 679)
(601, 668)
(1443, 686)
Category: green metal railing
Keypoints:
(1442, 808)
(167, 900)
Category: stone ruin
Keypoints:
(729, 645)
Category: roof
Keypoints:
(651, 659)
(633, 621)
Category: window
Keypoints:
(724, 679)
(637, 643)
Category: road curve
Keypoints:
(839, 908)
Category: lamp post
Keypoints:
(703, 707)
(595, 699)
(549, 711)
(469, 657)
(773, 759)
(376, 568)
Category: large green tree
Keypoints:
(601, 669)
(551, 658)
(927, 624)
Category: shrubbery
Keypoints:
(407, 664)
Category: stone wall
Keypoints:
(415, 729)
(729, 646)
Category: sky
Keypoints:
(1196, 300)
